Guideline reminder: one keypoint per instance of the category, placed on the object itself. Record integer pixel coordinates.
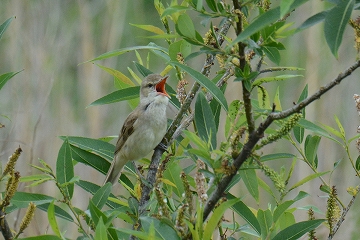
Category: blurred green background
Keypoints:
(49, 40)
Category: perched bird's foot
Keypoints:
(162, 146)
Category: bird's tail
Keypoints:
(114, 170)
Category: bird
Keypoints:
(143, 128)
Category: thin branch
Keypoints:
(259, 132)
(342, 218)
(4, 227)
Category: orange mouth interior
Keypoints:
(160, 87)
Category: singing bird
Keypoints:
(144, 128)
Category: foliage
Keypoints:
(176, 202)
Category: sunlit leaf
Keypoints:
(149, 28)
(52, 220)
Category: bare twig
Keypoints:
(259, 132)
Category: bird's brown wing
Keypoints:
(126, 131)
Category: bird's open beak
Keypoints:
(160, 87)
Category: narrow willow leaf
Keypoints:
(335, 22)
(172, 173)
(52, 220)
(277, 99)
(173, 9)
(93, 160)
(149, 28)
(311, 147)
(297, 230)
(4, 78)
(216, 217)
(206, 83)
(276, 156)
(5, 25)
(185, 26)
(22, 199)
(204, 120)
(162, 229)
(285, 7)
(212, 5)
(260, 81)
(101, 196)
(245, 212)
(125, 50)
(118, 96)
(298, 130)
(143, 70)
(316, 129)
(59, 212)
(43, 237)
(357, 164)
(307, 179)
(100, 232)
(96, 213)
(265, 220)
(272, 53)
(65, 168)
(250, 179)
(341, 128)
(311, 21)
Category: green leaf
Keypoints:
(52, 220)
(101, 196)
(4, 26)
(59, 212)
(173, 9)
(259, 23)
(118, 52)
(357, 164)
(93, 188)
(185, 26)
(265, 220)
(143, 70)
(6, 77)
(311, 147)
(162, 229)
(279, 210)
(245, 212)
(285, 7)
(212, 5)
(93, 160)
(204, 120)
(149, 28)
(250, 179)
(65, 168)
(341, 128)
(311, 21)
(218, 213)
(96, 213)
(206, 83)
(100, 147)
(22, 199)
(298, 130)
(272, 53)
(316, 129)
(260, 81)
(182, 47)
(298, 229)
(276, 156)
(100, 232)
(335, 22)
(307, 179)
(172, 173)
(118, 96)
(136, 233)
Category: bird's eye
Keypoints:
(150, 85)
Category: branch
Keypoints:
(169, 137)
(4, 227)
(342, 218)
(246, 93)
(259, 132)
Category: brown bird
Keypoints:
(144, 128)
